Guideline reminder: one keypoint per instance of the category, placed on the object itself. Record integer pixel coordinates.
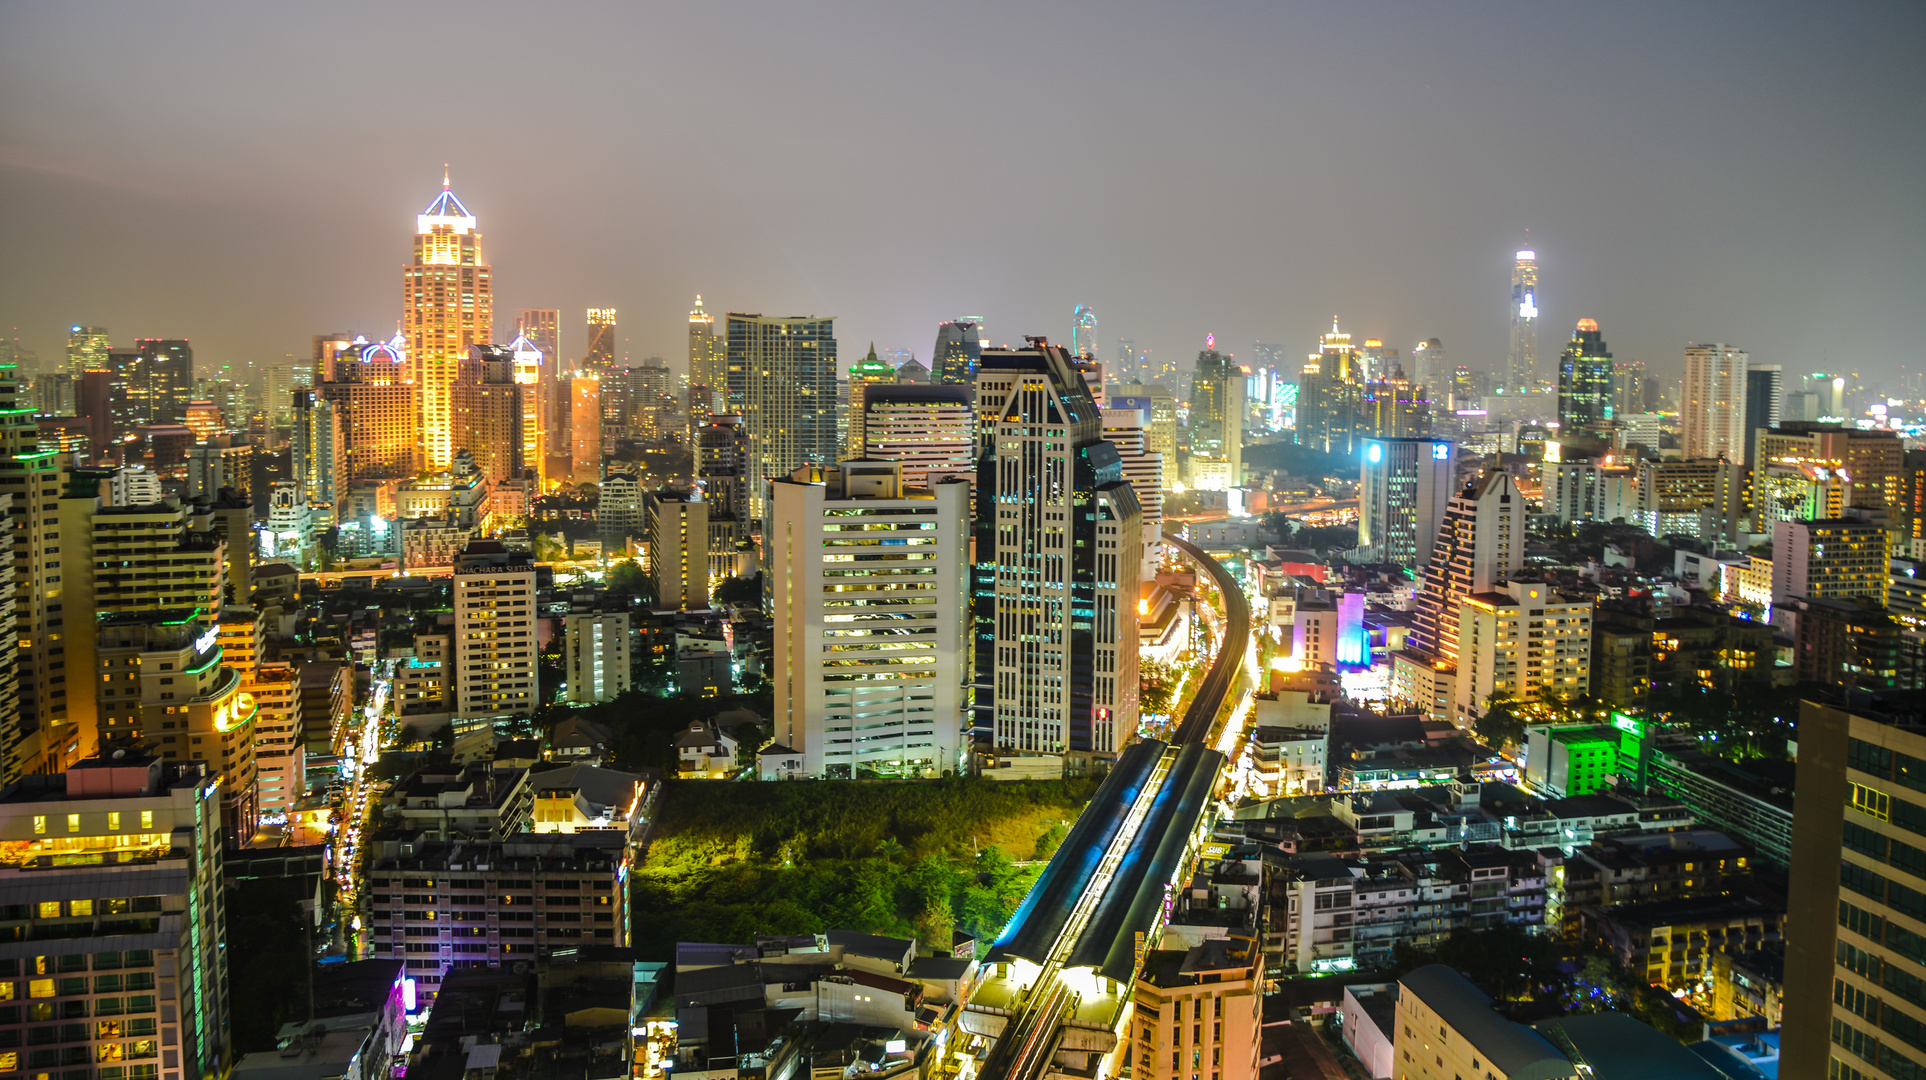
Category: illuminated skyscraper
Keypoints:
(1585, 389)
(958, 346)
(1523, 376)
(1480, 542)
(708, 357)
(448, 305)
(1712, 404)
(601, 340)
(380, 411)
(529, 360)
(585, 426)
(1216, 422)
(1058, 556)
(782, 380)
(1083, 335)
(164, 381)
(543, 329)
(87, 349)
(1330, 396)
(1404, 487)
(863, 374)
(1430, 371)
(489, 413)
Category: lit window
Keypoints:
(113, 821)
(49, 909)
(146, 819)
(82, 907)
(40, 825)
(73, 823)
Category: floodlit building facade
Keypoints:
(597, 655)
(448, 305)
(1712, 403)
(782, 382)
(495, 644)
(1524, 641)
(678, 550)
(1404, 488)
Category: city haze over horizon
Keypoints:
(1237, 170)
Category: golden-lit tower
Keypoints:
(448, 304)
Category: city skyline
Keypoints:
(1810, 266)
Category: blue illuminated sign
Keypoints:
(1440, 451)
(1374, 452)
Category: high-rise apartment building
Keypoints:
(925, 427)
(448, 305)
(1854, 964)
(543, 329)
(1871, 464)
(127, 911)
(159, 379)
(1712, 404)
(678, 528)
(870, 582)
(1160, 429)
(959, 345)
(30, 483)
(708, 353)
(1524, 641)
(1700, 497)
(1834, 559)
(782, 381)
(495, 661)
(488, 411)
(1123, 428)
(1330, 396)
(535, 388)
(722, 460)
(1481, 542)
(1055, 584)
(380, 413)
(1586, 393)
(1522, 374)
(1403, 489)
(1083, 332)
(1216, 422)
(1394, 408)
(596, 655)
(585, 426)
(317, 450)
(87, 348)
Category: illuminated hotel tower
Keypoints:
(1523, 376)
(448, 304)
(601, 340)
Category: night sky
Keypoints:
(246, 175)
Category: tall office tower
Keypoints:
(1124, 421)
(1628, 387)
(164, 380)
(872, 666)
(277, 388)
(1830, 559)
(1763, 395)
(1330, 396)
(1480, 542)
(927, 428)
(496, 672)
(1092, 371)
(678, 527)
(1430, 370)
(1402, 493)
(529, 358)
(542, 327)
(863, 374)
(959, 345)
(380, 413)
(585, 426)
(1160, 433)
(1393, 408)
(1872, 463)
(602, 351)
(1585, 390)
(1523, 375)
(1055, 583)
(782, 380)
(702, 339)
(1712, 404)
(1083, 332)
(53, 393)
(1375, 360)
(488, 412)
(1853, 960)
(329, 349)
(87, 348)
(1216, 423)
(126, 869)
(721, 470)
(447, 305)
(317, 450)
(597, 655)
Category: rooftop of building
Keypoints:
(1520, 1052)
(1213, 960)
(1618, 1047)
(596, 851)
(1688, 911)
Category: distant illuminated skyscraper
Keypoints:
(782, 380)
(708, 354)
(87, 348)
(1216, 422)
(1523, 376)
(529, 357)
(601, 340)
(543, 329)
(448, 305)
(1712, 403)
(1083, 335)
(1585, 389)
(1429, 370)
(959, 344)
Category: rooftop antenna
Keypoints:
(444, 176)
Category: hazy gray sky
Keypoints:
(247, 174)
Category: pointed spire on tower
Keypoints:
(444, 176)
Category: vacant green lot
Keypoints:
(728, 861)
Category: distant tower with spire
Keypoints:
(447, 305)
